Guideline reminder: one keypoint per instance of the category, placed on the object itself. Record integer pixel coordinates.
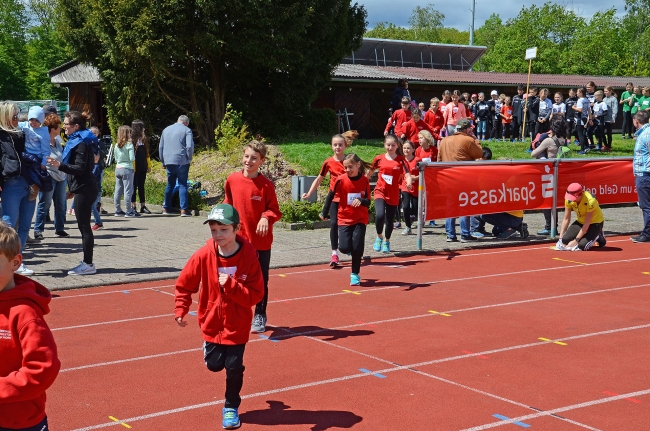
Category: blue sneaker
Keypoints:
(529, 150)
(544, 232)
(230, 419)
(355, 280)
(477, 234)
(377, 245)
(385, 248)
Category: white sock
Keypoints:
(335, 253)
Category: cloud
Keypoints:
(458, 13)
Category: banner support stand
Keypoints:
(554, 204)
(420, 206)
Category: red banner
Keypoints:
(453, 191)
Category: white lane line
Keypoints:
(387, 370)
(122, 361)
(135, 289)
(560, 410)
(110, 322)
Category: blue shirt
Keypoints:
(641, 163)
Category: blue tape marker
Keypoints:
(193, 313)
(266, 337)
(505, 418)
(126, 291)
(363, 370)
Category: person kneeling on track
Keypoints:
(505, 225)
(587, 230)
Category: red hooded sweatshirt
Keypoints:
(225, 313)
(28, 358)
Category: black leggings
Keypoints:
(384, 214)
(608, 134)
(231, 357)
(83, 206)
(351, 240)
(334, 228)
(580, 130)
(264, 256)
(587, 241)
(139, 177)
(409, 206)
(628, 125)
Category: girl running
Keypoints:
(333, 165)
(391, 167)
(353, 192)
(410, 196)
(427, 151)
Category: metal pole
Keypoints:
(420, 202)
(376, 58)
(384, 51)
(556, 164)
(523, 123)
(471, 28)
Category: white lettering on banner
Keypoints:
(547, 183)
(501, 195)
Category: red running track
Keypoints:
(479, 339)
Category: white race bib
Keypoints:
(427, 160)
(388, 179)
(352, 197)
(230, 270)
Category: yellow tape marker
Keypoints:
(281, 275)
(560, 343)
(351, 291)
(554, 342)
(437, 312)
(543, 339)
(445, 314)
(572, 261)
(646, 273)
(433, 312)
(120, 422)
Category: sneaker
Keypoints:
(583, 152)
(230, 419)
(377, 245)
(97, 226)
(640, 238)
(397, 225)
(468, 238)
(544, 232)
(432, 223)
(144, 210)
(523, 230)
(132, 214)
(31, 240)
(335, 260)
(38, 236)
(601, 240)
(385, 247)
(605, 149)
(476, 234)
(23, 270)
(83, 269)
(165, 212)
(355, 280)
(259, 323)
(61, 234)
(452, 239)
(406, 231)
(509, 233)
(186, 213)
(120, 214)
(529, 150)
(623, 137)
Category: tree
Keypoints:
(426, 23)
(165, 57)
(13, 54)
(636, 30)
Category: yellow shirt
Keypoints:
(519, 214)
(587, 204)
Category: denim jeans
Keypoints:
(58, 195)
(174, 173)
(450, 226)
(643, 190)
(123, 185)
(17, 209)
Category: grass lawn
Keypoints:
(310, 153)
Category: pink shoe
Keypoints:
(335, 260)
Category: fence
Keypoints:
(61, 105)
(449, 190)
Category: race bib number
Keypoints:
(230, 270)
(388, 179)
(352, 197)
(427, 160)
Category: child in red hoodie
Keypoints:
(434, 118)
(231, 278)
(412, 128)
(253, 195)
(399, 117)
(28, 359)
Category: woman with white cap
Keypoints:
(587, 230)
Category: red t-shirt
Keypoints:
(413, 170)
(412, 129)
(335, 169)
(389, 178)
(399, 117)
(430, 153)
(253, 198)
(507, 111)
(347, 190)
(435, 121)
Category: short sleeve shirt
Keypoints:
(388, 178)
(626, 95)
(587, 204)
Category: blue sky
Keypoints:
(457, 12)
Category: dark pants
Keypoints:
(351, 240)
(84, 200)
(628, 125)
(570, 129)
(501, 222)
(409, 206)
(531, 130)
(41, 426)
(542, 127)
(549, 219)
(139, 177)
(507, 132)
(608, 135)
(587, 241)
(231, 357)
(384, 214)
(334, 225)
(516, 128)
(580, 131)
(643, 190)
(264, 257)
(496, 128)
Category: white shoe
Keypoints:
(560, 246)
(23, 270)
(83, 269)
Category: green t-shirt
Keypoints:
(637, 103)
(626, 95)
(644, 103)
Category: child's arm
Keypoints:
(227, 199)
(272, 213)
(250, 291)
(328, 201)
(187, 284)
(40, 364)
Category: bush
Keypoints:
(231, 134)
(300, 211)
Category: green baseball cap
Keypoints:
(223, 213)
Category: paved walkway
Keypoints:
(154, 247)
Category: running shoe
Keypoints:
(259, 323)
(120, 213)
(83, 269)
(476, 234)
(509, 233)
(601, 240)
(640, 238)
(335, 260)
(186, 213)
(560, 246)
(544, 232)
(23, 270)
(377, 245)
(61, 234)
(452, 239)
(38, 236)
(355, 280)
(97, 226)
(230, 419)
(397, 225)
(468, 238)
(385, 247)
(406, 231)
(31, 240)
(144, 210)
